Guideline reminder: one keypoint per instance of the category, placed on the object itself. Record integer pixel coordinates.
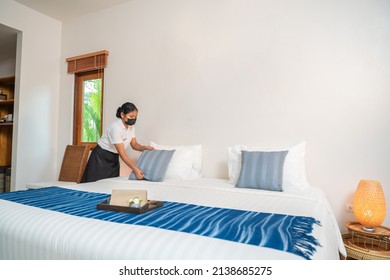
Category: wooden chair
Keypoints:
(72, 167)
(73, 163)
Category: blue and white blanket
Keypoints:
(282, 232)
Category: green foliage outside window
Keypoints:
(92, 110)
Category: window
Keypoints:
(88, 105)
(88, 96)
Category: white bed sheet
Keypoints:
(32, 233)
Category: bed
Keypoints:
(29, 232)
(202, 218)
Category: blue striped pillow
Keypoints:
(154, 164)
(262, 170)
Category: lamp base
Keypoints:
(368, 229)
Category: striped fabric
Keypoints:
(282, 232)
(154, 164)
(262, 170)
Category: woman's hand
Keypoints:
(138, 174)
(138, 147)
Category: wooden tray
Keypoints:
(149, 206)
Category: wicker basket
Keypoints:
(363, 247)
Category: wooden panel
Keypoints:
(5, 145)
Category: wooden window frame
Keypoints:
(78, 105)
(85, 67)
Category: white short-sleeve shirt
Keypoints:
(116, 133)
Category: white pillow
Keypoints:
(186, 163)
(294, 172)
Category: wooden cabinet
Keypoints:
(7, 86)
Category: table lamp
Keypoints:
(369, 204)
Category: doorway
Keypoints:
(8, 69)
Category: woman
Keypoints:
(104, 159)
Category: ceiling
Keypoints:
(64, 10)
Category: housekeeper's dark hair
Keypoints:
(125, 109)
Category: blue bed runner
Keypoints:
(282, 232)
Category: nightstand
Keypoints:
(363, 245)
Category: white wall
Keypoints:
(7, 67)
(36, 93)
(250, 72)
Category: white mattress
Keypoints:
(32, 233)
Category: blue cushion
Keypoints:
(262, 170)
(154, 164)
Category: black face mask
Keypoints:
(130, 121)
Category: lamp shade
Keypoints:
(369, 204)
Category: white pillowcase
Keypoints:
(294, 172)
(186, 163)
